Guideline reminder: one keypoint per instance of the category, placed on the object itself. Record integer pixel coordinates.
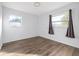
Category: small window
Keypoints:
(15, 20)
(61, 20)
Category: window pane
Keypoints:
(61, 20)
(15, 20)
(63, 17)
(57, 18)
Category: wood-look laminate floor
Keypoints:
(37, 46)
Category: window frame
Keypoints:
(57, 25)
(14, 23)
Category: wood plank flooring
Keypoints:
(37, 46)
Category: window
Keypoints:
(61, 20)
(15, 20)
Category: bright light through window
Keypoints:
(61, 20)
(57, 18)
(15, 20)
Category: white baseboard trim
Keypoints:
(61, 42)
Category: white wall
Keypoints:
(15, 33)
(0, 25)
(61, 32)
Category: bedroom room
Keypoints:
(39, 29)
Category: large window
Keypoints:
(60, 20)
(15, 20)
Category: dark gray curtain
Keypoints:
(50, 25)
(70, 29)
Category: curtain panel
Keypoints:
(70, 29)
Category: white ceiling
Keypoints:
(29, 7)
